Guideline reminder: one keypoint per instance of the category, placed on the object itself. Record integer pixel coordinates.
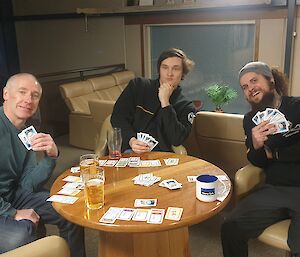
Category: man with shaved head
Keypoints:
(23, 206)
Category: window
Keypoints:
(219, 51)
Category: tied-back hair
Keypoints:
(281, 82)
(187, 63)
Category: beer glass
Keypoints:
(88, 164)
(94, 188)
(114, 143)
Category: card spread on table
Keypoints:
(69, 191)
(126, 214)
(174, 213)
(147, 179)
(102, 162)
(110, 163)
(145, 202)
(141, 215)
(75, 169)
(25, 135)
(156, 216)
(274, 116)
(122, 162)
(62, 199)
(72, 179)
(111, 215)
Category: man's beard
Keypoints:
(266, 101)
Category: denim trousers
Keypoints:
(15, 233)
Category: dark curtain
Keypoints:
(9, 59)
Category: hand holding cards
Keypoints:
(274, 116)
(148, 139)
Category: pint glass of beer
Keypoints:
(94, 188)
(88, 164)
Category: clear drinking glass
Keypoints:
(114, 143)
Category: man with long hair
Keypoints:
(277, 153)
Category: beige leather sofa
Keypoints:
(218, 138)
(105, 90)
(51, 246)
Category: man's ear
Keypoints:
(5, 93)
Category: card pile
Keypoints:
(152, 216)
(148, 139)
(147, 179)
(69, 190)
(26, 136)
(171, 184)
(274, 116)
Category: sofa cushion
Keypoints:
(122, 78)
(100, 83)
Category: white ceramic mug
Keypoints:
(206, 188)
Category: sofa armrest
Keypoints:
(100, 109)
(247, 178)
(101, 141)
(51, 246)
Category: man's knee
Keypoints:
(17, 236)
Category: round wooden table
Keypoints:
(136, 238)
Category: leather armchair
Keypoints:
(101, 140)
(247, 179)
(51, 246)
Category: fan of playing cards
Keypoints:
(148, 139)
(274, 116)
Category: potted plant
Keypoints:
(220, 95)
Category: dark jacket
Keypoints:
(138, 109)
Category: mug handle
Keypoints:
(224, 187)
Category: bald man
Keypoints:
(23, 206)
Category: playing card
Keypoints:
(171, 161)
(111, 215)
(256, 119)
(141, 215)
(122, 162)
(156, 216)
(74, 185)
(75, 169)
(192, 178)
(68, 191)
(110, 163)
(62, 199)
(134, 161)
(126, 214)
(72, 179)
(174, 213)
(170, 184)
(145, 202)
(102, 162)
(26, 136)
(282, 127)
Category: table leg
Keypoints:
(172, 243)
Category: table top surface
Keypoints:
(121, 192)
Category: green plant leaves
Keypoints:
(221, 94)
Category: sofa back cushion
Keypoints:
(77, 94)
(220, 140)
(122, 78)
